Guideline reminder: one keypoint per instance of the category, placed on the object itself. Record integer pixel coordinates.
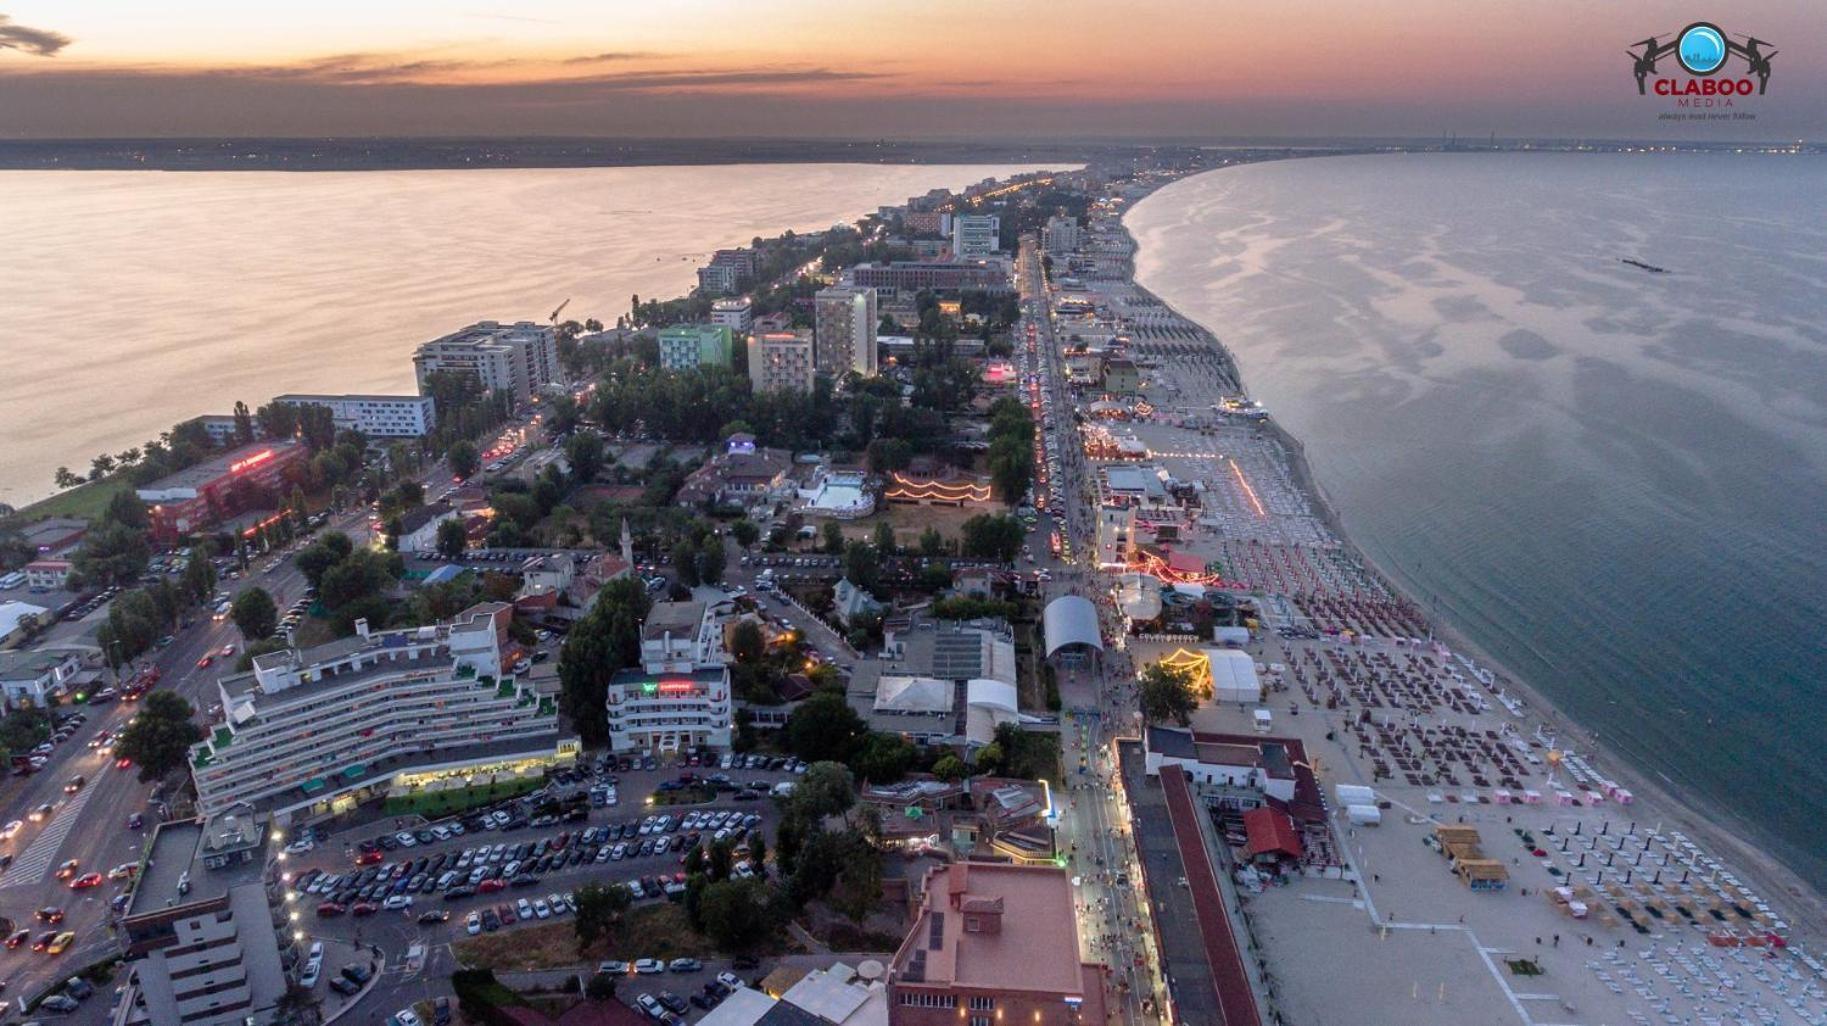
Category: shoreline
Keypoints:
(1661, 801)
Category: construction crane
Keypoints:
(561, 309)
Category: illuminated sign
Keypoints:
(252, 461)
(678, 687)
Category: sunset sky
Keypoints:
(935, 68)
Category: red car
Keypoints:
(123, 763)
(364, 908)
(506, 914)
(329, 910)
(369, 858)
(208, 657)
(86, 881)
(491, 886)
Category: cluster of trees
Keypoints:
(114, 552)
(466, 410)
(1011, 459)
(642, 398)
(699, 556)
(1168, 693)
(842, 866)
(992, 537)
(607, 639)
(351, 583)
(158, 739)
(186, 444)
(255, 613)
(139, 617)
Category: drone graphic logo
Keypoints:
(1702, 49)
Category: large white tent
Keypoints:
(1233, 676)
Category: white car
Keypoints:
(730, 980)
(525, 910)
(649, 966)
(472, 925)
(541, 909)
(8, 831)
(406, 1017)
(396, 902)
(300, 846)
(312, 970)
(406, 840)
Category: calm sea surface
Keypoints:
(132, 300)
(1616, 481)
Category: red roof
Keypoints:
(1236, 1001)
(1270, 833)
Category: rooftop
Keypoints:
(33, 664)
(200, 474)
(680, 619)
(1033, 946)
(178, 850)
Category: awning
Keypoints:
(1270, 832)
(355, 771)
(312, 786)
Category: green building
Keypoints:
(695, 345)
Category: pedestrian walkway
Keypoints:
(32, 866)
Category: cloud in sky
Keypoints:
(37, 42)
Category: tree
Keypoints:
(452, 538)
(932, 543)
(112, 553)
(599, 912)
(1167, 693)
(884, 539)
(713, 560)
(199, 576)
(884, 758)
(745, 532)
(601, 987)
(833, 538)
(826, 789)
(862, 567)
(949, 767)
(607, 639)
(746, 642)
(464, 460)
(736, 913)
(317, 559)
(66, 478)
(824, 727)
(244, 424)
(255, 613)
(584, 451)
(717, 864)
(158, 740)
(992, 537)
(126, 509)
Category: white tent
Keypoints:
(1233, 676)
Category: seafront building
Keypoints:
(680, 697)
(844, 327)
(685, 346)
(890, 280)
(321, 729)
(994, 944)
(205, 930)
(737, 314)
(1061, 234)
(377, 416)
(976, 235)
(208, 493)
(781, 361)
(519, 358)
(728, 272)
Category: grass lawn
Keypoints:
(443, 803)
(650, 931)
(85, 501)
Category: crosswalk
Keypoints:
(31, 867)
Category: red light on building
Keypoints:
(677, 687)
(252, 461)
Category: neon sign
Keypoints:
(252, 461)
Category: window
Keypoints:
(983, 1004)
(980, 1020)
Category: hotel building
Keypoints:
(694, 345)
(205, 930)
(844, 331)
(780, 361)
(519, 358)
(322, 729)
(680, 697)
(994, 944)
(976, 235)
(738, 315)
(200, 496)
(377, 416)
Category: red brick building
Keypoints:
(199, 497)
(994, 944)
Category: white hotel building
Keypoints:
(680, 697)
(377, 416)
(322, 729)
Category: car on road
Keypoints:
(62, 1004)
(396, 902)
(206, 660)
(86, 881)
(68, 869)
(49, 914)
(8, 831)
(613, 968)
(685, 965)
(357, 973)
(312, 970)
(60, 943)
(649, 966)
(330, 910)
(364, 908)
(42, 813)
(16, 938)
(344, 986)
(228, 650)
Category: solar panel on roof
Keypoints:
(935, 938)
